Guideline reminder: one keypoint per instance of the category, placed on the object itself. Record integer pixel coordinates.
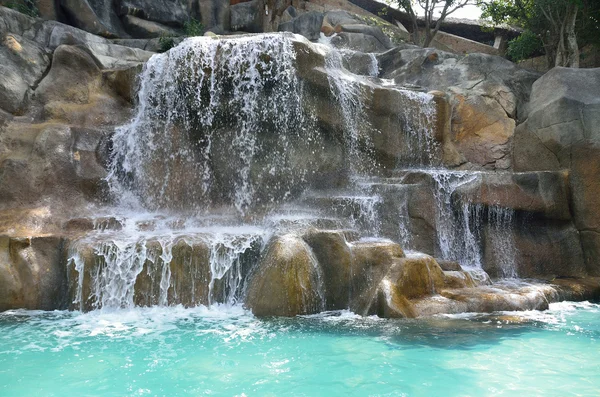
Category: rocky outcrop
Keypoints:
(247, 16)
(308, 25)
(487, 94)
(561, 132)
(23, 65)
(334, 129)
(64, 90)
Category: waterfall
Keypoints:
(502, 240)
(416, 116)
(457, 237)
(347, 91)
(222, 131)
(215, 123)
(460, 225)
(126, 269)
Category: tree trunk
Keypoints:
(415, 32)
(561, 51)
(572, 46)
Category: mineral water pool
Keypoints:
(225, 351)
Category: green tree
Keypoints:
(435, 12)
(554, 23)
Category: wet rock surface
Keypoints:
(316, 202)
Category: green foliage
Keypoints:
(387, 28)
(27, 7)
(193, 27)
(554, 23)
(166, 43)
(524, 46)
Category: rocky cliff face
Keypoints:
(281, 170)
(562, 132)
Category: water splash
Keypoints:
(373, 66)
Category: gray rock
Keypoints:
(22, 65)
(46, 34)
(55, 34)
(106, 11)
(544, 249)
(308, 25)
(113, 56)
(247, 16)
(152, 45)
(562, 131)
(374, 31)
(84, 17)
(215, 15)
(289, 14)
(339, 17)
(357, 42)
(166, 12)
(140, 28)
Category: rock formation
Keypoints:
(282, 174)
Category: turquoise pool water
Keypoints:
(227, 352)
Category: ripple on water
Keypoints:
(225, 350)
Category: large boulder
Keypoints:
(22, 65)
(307, 24)
(144, 29)
(50, 163)
(562, 132)
(167, 12)
(83, 16)
(485, 106)
(216, 15)
(371, 262)
(247, 16)
(287, 281)
(332, 250)
(114, 56)
(32, 275)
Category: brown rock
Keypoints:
(335, 256)
(287, 281)
(190, 273)
(371, 261)
(32, 274)
(481, 130)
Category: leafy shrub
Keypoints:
(27, 7)
(166, 43)
(524, 46)
(193, 27)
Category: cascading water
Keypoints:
(215, 123)
(459, 231)
(347, 92)
(132, 268)
(219, 129)
(222, 131)
(457, 239)
(416, 116)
